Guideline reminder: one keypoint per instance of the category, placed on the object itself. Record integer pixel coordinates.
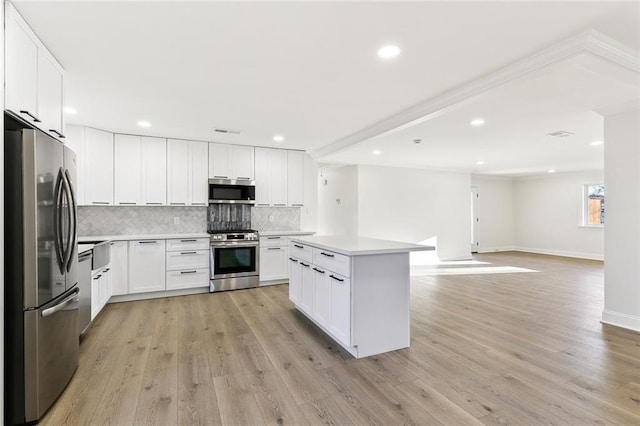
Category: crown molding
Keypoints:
(588, 42)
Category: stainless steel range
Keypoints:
(234, 260)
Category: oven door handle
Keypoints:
(234, 244)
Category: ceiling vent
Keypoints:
(226, 131)
(560, 134)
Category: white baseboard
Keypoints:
(495, 249)
(578, 255)
(621, 320)
(157, 294)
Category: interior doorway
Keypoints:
(474, 219)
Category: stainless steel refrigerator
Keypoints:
(41, 262)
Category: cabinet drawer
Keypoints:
(300, 251)
(188, 259)
(189, 278)
(274, 240)
(187, 244)
(334, 262)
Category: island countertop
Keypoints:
(358, 246)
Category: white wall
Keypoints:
(338, 200)
(548, 216)
(496, 210)
(416, 205)
(309, 212)
(622, 240)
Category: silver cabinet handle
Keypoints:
(336, 278)
(35, 119)
(188, 252)
(297, 246)
(188, 241)
(318, 270)
(327, 254)
(100, 202)
(147, 242)
(177, 204)
(304, 264)
(187, 272)
(126, 203)
(280, 205)
(153, 204)
(221, 177)
(60, 306)
(97, 277)
(273, 238)
(274, 248)
(297, 205)
(293, 260)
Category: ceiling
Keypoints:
(309, 71)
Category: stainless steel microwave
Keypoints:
(229, 191)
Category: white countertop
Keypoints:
(284, 232)
(84, 247)
(140, 237)
(358, 246)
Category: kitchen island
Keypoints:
(355, 289)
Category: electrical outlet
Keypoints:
(176, 220)
(271, 218)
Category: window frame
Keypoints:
(585, 206)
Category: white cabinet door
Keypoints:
(341, 308)
(50, 94)
(273, 263)
(242, 162)
(95, 294)
(278, 177)
(295, 280)
(322, 297)
(154, 171)
(178, 172)
(219, 161)
(263, 178)
(295, 178)
(75, 141)
(127, 158)
(306, 300)
(119, 267)
(98, 167)
(146, 266)
(21, 66)
(105, 286)
(198, 184)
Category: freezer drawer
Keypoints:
(51, 352)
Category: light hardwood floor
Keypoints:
(517, 348)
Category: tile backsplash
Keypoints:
(284, 218)
(116, 220)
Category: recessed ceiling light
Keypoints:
(377, 152)
(480, 163)
(278, 138)
(389, 51)
(551, 171)
(69, 110)
(144, 124)
(596, 143)
(477, 122)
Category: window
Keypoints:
(593, 204)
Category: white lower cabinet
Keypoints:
(100, 289)
(320, 292)
(192, 278)
(187, 262)
(146, 266)
(119, 267)
(274, 259)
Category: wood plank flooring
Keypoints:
(514, 348)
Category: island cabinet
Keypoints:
(355, 289)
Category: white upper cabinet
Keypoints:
(271, 177)
(198, 185)
(231, 161)
(295, 178)
(187, 168)
(75, 141)
(177, 172)
(98, 167)
(127, 157)
(33, 78)
(154, 171)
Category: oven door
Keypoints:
(234, 259)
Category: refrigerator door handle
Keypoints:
(57, 221)
(60, 306)
(73, 217)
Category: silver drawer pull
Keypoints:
(177, 204)
(147, 242)
(318, 270)
(298, 246)
(188, 241)
(326, 254)
(187, 272)
(293, 260)
(274, 248)
(126, 203)
(336, 278)
(153, 204)
(304, 264)
(273, 238)
(35, 119)
(106, 203)
(188, 252)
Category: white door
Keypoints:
(154, 171)
(341, 308)
(306, 299)
(295, 280)
(273, 263)
(120, 267)
(146, 266)
(263, 179)
(278, 177)
(50, 94)
(474, 219)
(322, 297)
(98, 156)
(75, 141)
(177, 172)
(242, 162)
(127, 176)
(295, 178)
(219, 161)
(199, 165)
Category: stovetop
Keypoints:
(237, 231)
